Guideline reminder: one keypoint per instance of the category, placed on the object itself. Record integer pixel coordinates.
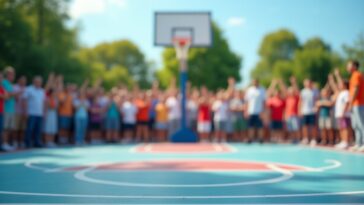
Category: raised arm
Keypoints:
(271, 88)
(294, 84)
(50, 82)
(84, 86)
(332, 84)
(282, 87)
(338, 77)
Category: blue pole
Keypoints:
(184, 134)
(183, 79)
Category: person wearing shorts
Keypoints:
(65, 113)
(255, 97)
(356, 91)
(239, 123)
(220, 108)
(128, 112)
(95, 120)
(112, 121)
(50, 118)
(307, 111)
(3, 96)
(204, 119)
(341, 98)
(20, 110)
(174, 113)
(143, 106)
(325, 120)
(276, 104)
(161, 119)
(9, 110)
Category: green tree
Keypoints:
(315, 61)
(356, 50)
(39, 41)
(276, 46)
(207, 66)
(122, 53)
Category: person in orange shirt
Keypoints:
(65, 112)
(161, 123)
(143, 105)
(356, 90)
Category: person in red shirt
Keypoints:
(204, 118)
(276, 104)
(3, 96)
(143, 105)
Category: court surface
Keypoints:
(182, 174)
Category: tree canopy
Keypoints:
(282, 56)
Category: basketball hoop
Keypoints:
(181, 44)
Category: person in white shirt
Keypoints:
(174, 113)
(341, 108)
(128, 112)
(306, 106)
(35, 98)
(220, 107)
(255, 97)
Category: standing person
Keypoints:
(308, 114)
(237, 108)
(154, 100)
(35, 98)
(220, 108)
(276, 104)
(325, 121)
(356, 90)
(161, 117)
(81, 105)
(291, 110)
(174, 113)
(20, 110)
(3, 96)
(96, 120)
(142, 129)
(112, 124)
(255, 97)
(192, 109)
(9, 112)
(341, 108)
(128, 111)
(50, 119)
(204, 117)
(65, 111)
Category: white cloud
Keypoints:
(236, 21)
(82, 7)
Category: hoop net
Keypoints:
(182, 44)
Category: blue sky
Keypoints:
(244, 22)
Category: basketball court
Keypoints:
(201, 173)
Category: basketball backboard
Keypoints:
(195, 26)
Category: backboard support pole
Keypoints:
(184, 134)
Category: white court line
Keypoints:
(30, 164)
(335, 164)
(344, 193)
(286, 174)
(193, 204)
